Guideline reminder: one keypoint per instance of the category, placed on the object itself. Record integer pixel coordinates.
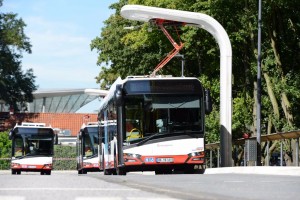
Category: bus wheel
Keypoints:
(48, 173)
(84, 171)
(121, 171)
(19, 172)
(42, 172)
(107, 172)
(14, 172)
(79, 171)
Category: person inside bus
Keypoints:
(32, 148)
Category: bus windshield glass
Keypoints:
(33, 141)
(91, 141)
(162, 114)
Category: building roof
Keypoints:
(62, 100)
(67, 124)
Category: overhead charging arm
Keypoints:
(146, 13)
(160, 23)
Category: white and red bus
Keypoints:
(159, 125)
(32, 148)
(87, 145)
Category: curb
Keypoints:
(265, 170)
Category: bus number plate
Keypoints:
(31, 166)
(164, 160)
(149, 159)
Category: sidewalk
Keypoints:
(266, 170)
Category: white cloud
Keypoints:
(59, 53)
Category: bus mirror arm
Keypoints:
(208, 102)
(118, 95)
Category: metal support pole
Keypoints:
(245, 160)
(210, 160)
(44, 104)
(297, 152)
(258, 112)
(182, 66)
(281, 153)
(268, 154)
(182, 63)
(218, 157)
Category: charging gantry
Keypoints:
(162, 23)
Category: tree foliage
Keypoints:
(137, 51)
(16, 86)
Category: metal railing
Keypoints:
(213, 149)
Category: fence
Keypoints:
(240, 148)
(64, 159)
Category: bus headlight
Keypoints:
(196, 156)
(48, 166)
(87, 164)
(15, 165)
(130, 157)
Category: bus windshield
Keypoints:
(91, 141)
(151, 114)
(32, 142)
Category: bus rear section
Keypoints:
(32, 148)
(160, 125)
(87, 145)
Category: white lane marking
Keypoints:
(122, 198)
(68, 189)
(233, 181)
(12, 197)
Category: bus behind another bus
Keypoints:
(87, 148)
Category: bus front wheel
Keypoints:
(121, 171)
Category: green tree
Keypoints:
(16, 86)
(5, 150)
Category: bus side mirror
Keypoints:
(80, 135)
(208, 102)
(118, 96)
(55, 139)
(11, 134)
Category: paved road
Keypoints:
(96, 186)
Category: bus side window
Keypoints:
(18, 147)
(88, 149)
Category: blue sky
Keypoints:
(60, 32)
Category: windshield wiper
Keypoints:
(92, 156)
(147, 139)
(20, 157)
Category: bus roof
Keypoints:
(112, 89)
(32, 125)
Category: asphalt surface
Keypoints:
(228, 183)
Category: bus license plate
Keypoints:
(31, 166)
(164, 160)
